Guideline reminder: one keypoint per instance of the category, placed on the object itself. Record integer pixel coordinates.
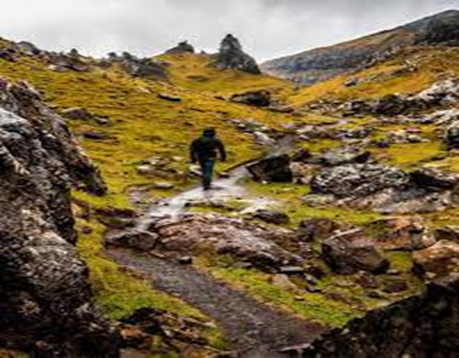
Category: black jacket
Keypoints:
(207, 148)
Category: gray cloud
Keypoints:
(267, 28)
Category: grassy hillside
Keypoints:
(411, 71)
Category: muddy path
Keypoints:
(253, 328)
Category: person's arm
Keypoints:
(193, 152)
(222, 151)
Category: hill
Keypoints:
(321, 64)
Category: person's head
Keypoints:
(209, 132)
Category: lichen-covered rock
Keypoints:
(45, 296)
(231, 56)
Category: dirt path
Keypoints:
(255, 329)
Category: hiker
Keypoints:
(205, 150)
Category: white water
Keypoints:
(222, 189)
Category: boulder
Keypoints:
(317, 229)
(181, 48)
(283, 282)
(28, 48)
(46, 300)
(401, 233)
(439, 260)
(350, 252)
(434, 179)
(273, 169)
(272, 216)
(253, 98)
(133, 239)
(358, 180)
(232, 56)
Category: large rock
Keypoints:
(385, 189)
(253, 243)
(274, 169)
(350, 251)
(138, 67)
(231, 56)
(439, 260)
(45, 295)
(419, 326)
(358, 180)
(253, 98)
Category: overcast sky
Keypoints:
(267, 28)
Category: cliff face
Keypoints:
(45, 297)
(420, 326)
(324, 63)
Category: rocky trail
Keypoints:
(254, 329)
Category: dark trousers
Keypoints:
(207, 169)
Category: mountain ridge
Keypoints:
(323, 63)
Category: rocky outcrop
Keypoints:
(420, 326)
(181, 48)
(232, 56)
(137, 67)
(385, 189)
(251, 243)
(45, 296)
(324, 63)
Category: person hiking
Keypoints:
(205, 150)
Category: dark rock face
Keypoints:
(253, 98)
(420, 326)
(350, 252)
(182, 47)
(45, 294)
(321, 64)
(231, 56)
(274, 169)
